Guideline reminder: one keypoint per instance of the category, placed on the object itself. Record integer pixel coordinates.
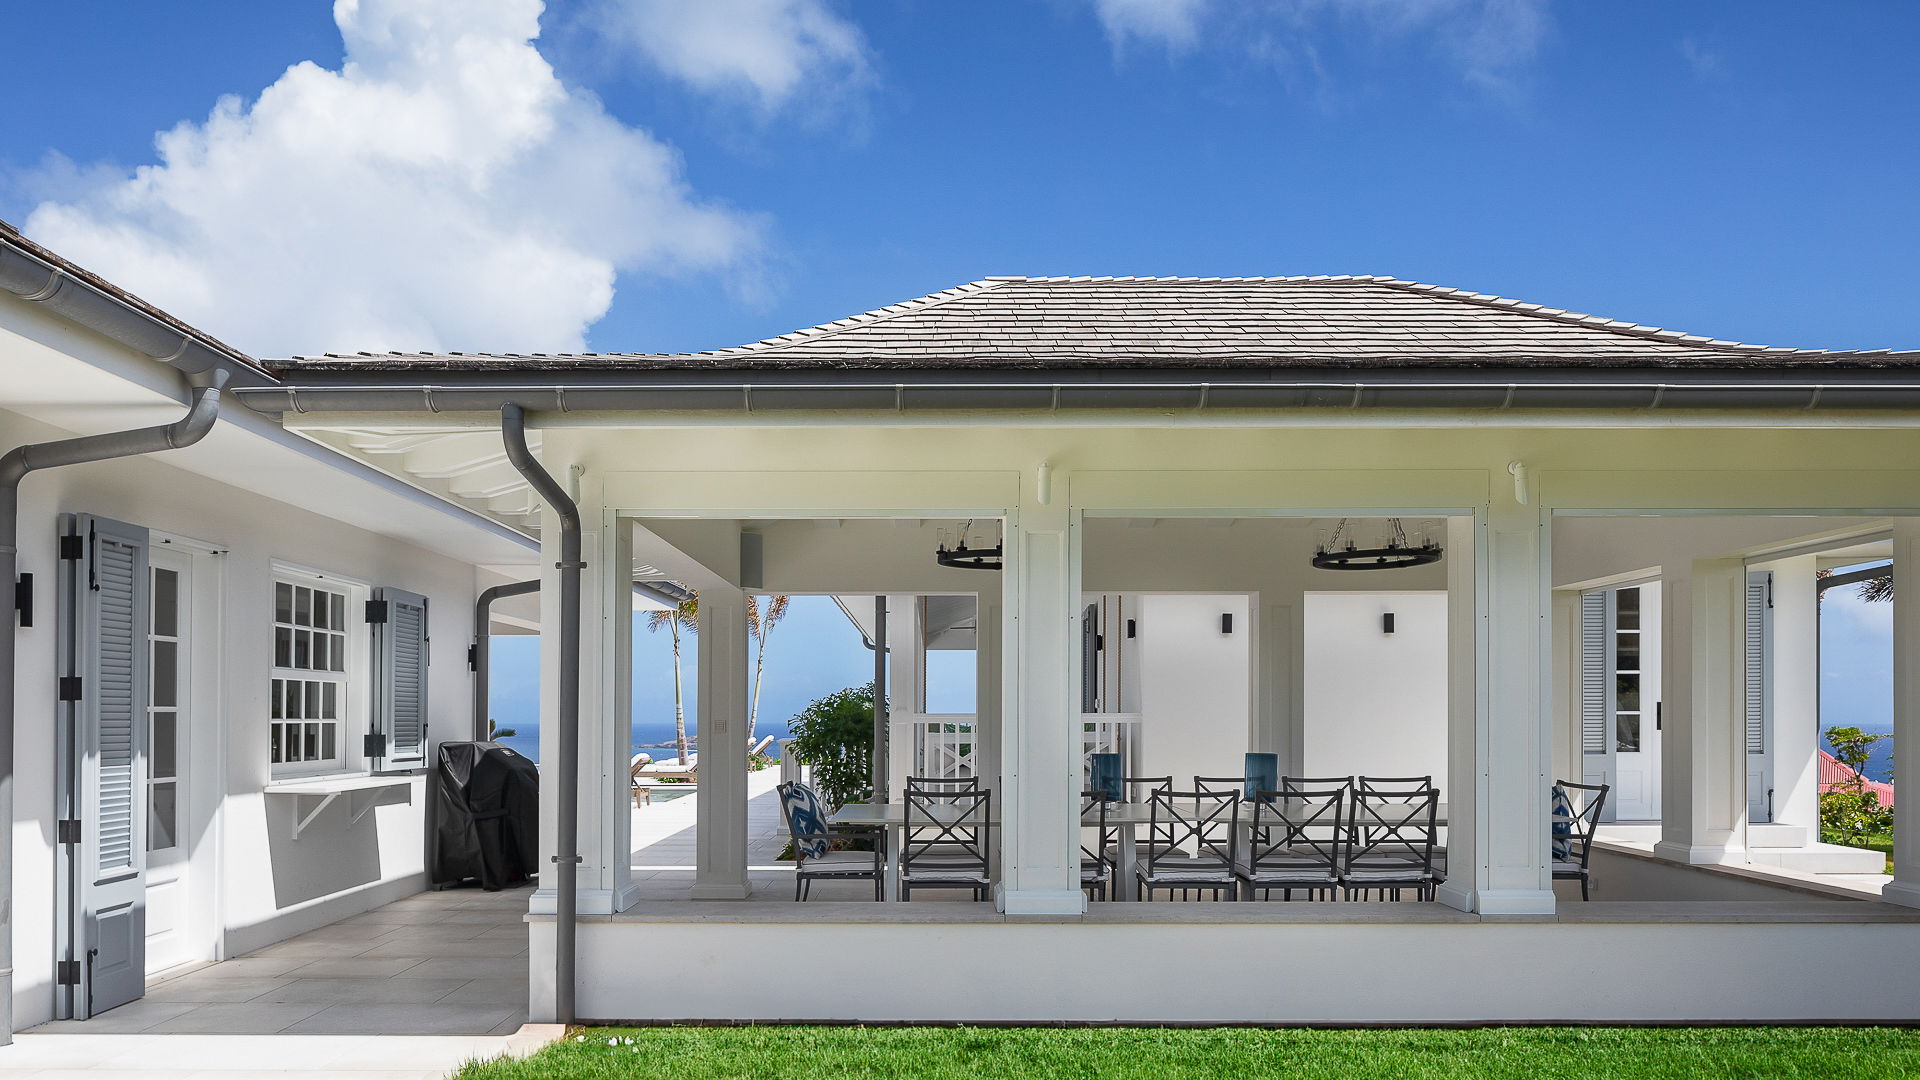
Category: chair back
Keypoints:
(1396, 825)
(1093, 815)
(943, 783)
(951, 826)
(1300, 828)
(1576, 814)
(806, 818)
(1235, 784)
(1141, 788)
(1200, 822)
(1392, 785)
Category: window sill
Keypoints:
(326, 789)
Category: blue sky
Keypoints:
(658, 175)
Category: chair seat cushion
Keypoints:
(839, 862)
(1282, 874)
(1568, 869)
(937, 876)
(1193, 875)
(1407, 872)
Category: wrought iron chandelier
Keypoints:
(1394, 552)
(962, 557)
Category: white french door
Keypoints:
(170, 712)
(1635, 705)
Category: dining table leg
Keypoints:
(895, 837)
(1125, 883)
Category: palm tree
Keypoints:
(684, 616)
(760, 625)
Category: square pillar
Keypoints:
(1040, 724)
(989, 621)
(1905, 886)
(1500, 724)
(1703, 777)
(720, 838)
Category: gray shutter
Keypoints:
(1759, 695)
(400, 678)
(1596, 681)
(106, 597)
(1090, 659)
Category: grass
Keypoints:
(932, 1053)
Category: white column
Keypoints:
(906, 666)
(1498, 777)
(1703, 805)
(1565, 630)
(720, 847)
(1040, 764)
(989, 688)
(604, 768)
(1905, 886)
(1796, 693)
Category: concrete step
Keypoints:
(1774, 835)
(1820, 858)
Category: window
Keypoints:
(311, 675)
(164, 633)
(1626, 673)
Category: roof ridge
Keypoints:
(1595, 322)
(865, 318)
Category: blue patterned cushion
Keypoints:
(1562, 823)
(806, 815)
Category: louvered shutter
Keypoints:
(1596, 678)
(400, 678)
(1759, 696)
(107, 610)
(1090, 659)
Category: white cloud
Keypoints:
(766, 50)
(443, 189)
(1484, 40)
(1173, 23)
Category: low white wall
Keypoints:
(1376, 703)
(715, 969)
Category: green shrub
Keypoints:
(834, 737)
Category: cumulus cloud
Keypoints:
(1485, 40)
(765, 50)
(442, 189)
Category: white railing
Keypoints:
(1109, 733)
(791, 770)
(943, 744)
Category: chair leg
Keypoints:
(797, 879)
(1583, 886)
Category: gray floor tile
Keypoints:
(356, 967)
(467, 967)
(486, 992)
(404, 1020)
(243, 1018)
(196, 989)
(362, 991)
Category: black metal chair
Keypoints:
(1203, 822)
(943, 783)
(1401, 785)
(1390, 844)
(1096, 869)
(945, 842)
(1298, 836)
(1573, 828)
(1237, 785)
(813, 837)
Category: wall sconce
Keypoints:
(1226, 622)
(1386, 623)
(1132, 631)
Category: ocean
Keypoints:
(526, 738)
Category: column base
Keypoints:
(1692, 854)
(1039, 901)
(719, 890)
(1496, 901)
(1904, 893)
(585, 902)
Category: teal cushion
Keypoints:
(806, 816)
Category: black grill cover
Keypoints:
(487, 816)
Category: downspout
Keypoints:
(513, 430)
(881, 765)
(477, 656)
(14, 467)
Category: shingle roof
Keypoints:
(1123, 322)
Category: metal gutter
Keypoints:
(14, 466)
(566, 858)
(1204, 390)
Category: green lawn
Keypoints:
(774, 1053)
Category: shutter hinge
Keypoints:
(376, 611)
(68, 973)
(67, 831)
(23, 599)
(374, 745)
(72, 547)
(473, 658)
(70, 688)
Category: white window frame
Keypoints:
(183, 681)
(353, 706)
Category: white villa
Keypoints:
(214, 749)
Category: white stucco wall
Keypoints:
(1195, 705)
(1376, 703)
(271, 886)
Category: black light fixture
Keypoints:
(1226, 622)
(1393, 552)
(1386, 623)
(962, 557)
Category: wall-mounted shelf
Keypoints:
(363, 794)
